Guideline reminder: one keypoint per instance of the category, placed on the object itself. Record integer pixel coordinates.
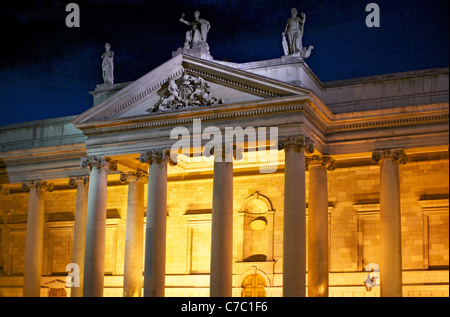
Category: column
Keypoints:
(155, 231)
(34, 237)
(294, 232)
(318, 225)
(134, 244)
(79, 230)
(390, 222)
(94, 258)
(221, 268)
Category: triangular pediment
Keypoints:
(186, 82)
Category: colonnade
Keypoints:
(90, 224)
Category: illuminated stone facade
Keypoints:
(361, 178)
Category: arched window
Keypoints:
(257, 233)
(254, 286)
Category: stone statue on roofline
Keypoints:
(108, 65)
(293, 46)
(195, 39)
(198, 35)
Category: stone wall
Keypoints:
(353, 232)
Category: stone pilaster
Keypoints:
(318, 225)
(34, 237)
(79, 231)
(294, 233)
(134, 249)
(390, 222)
(155, 239)
(94, 259)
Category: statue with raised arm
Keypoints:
(108, 65)
(197, 36)
(294, 33)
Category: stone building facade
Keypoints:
(359, 181)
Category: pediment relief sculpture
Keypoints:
(186, 92)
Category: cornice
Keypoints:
(385, 77)
(388, 121)
(327, 122)
(218, 112)
(434, 204)
(33, 158)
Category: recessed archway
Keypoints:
(257, 224)
(254, 286)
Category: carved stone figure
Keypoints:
(189, 92)
(172, 96)
(108, 65)
(186, 87)
(198, 35)
(294, 33)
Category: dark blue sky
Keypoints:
(48, 69)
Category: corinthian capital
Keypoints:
(397, 156)
(37, 184)
(138, 176)
(98, 162)
(227, 152)
(298, 143)
(79, 180)
(158, 157)
(321, 160)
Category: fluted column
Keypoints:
(34, 237)
(79, 231)
(221, 265)
(155, 234)
(318, 225)
(390, 222)
(294, 232)
(134, 249)
(94, 259)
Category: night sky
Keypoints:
(48, 69)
